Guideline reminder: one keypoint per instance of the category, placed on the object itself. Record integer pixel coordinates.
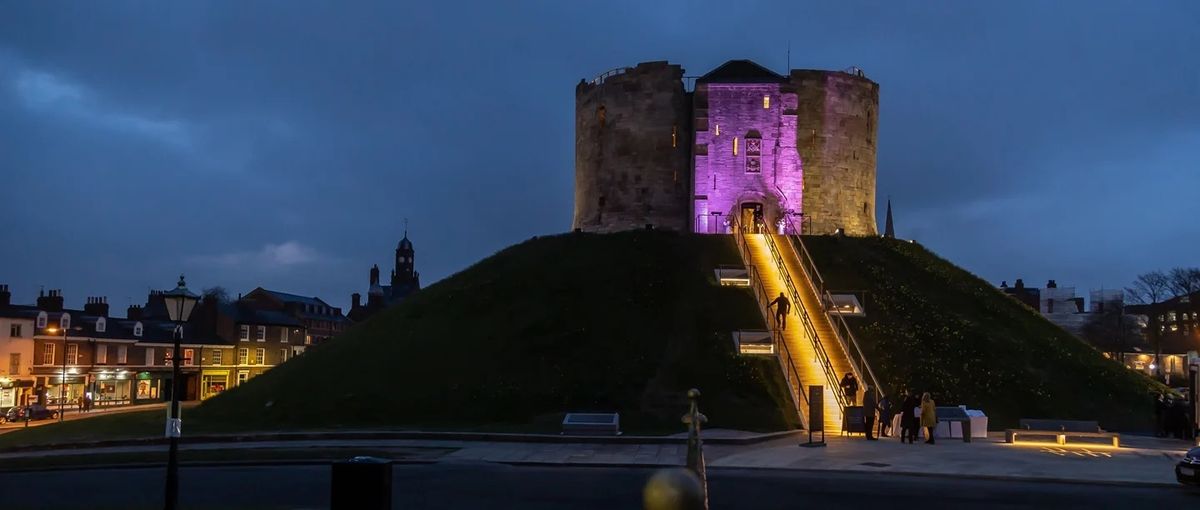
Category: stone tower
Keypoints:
(404, 273)
(632, 149)
(837, 119)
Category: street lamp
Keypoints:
(62, 396)
(179, 307)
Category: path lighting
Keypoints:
(180, 303)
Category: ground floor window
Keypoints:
(148, 389)
(213, 384)
(113, 392)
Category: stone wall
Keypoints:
(742, 114)
(837, 123)
(632, 140)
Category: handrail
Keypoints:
(782, 353)
(806, 320)
(841, 330)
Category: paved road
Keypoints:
(72, 413)
(485, 485)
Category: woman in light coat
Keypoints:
(928, 416)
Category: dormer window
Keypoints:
(137, 330)
(41, 320)
(65, 321)
(101, 325)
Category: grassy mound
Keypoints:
(623, 322)
(935, 327)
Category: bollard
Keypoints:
(695, 453)
(361, 483)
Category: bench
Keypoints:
(1061, 430)
(592, 424)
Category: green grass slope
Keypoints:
(622, 322)
(935, 327)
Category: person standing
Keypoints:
(885, 416)
(781, 313)
(908, 420)
(928, 416)
(849, 386)
(869, 407)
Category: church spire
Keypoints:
(888, 230)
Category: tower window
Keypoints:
(717, 131)
(766, 102)
(674, 136)
(735, 146)
(601, 115)
(753, 155)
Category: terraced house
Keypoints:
(55, 355)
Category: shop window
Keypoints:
(260, 355)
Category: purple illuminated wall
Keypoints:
(725, 180)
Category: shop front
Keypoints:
(148, 387)
(15, 392)
(113, 388)
(66, 392)
(213, 382)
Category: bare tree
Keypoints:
(217, 293)
(1150, 288)
(1184, 280)
(1112, 332)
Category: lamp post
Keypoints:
(62, 395)
(179, 307)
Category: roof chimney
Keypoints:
(51, 302)
(1020, 284)
(134, 313)
(1051, 285)
(97, 306)
(355, 300)
(5, 295)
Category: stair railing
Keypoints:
(783, 354)
(841, 330)
(806, 320)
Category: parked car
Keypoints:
(4, 413)
(35, 412)
(1187, 471)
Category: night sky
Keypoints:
(283, 144)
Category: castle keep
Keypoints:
(797, 152)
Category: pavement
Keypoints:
(73, 413)
(1141, 461)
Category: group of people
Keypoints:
(910, 422)
(1173, 417)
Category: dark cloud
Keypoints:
(283, 143)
